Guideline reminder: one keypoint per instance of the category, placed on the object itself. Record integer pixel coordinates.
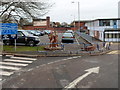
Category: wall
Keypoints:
(119, 14)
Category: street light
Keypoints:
(74, 21)
(78, 15)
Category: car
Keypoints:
(41, 33)
(34, 32)
(68, 37)
(70, 31)
(23, 37)
(47, 31)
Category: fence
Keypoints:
(99, 47)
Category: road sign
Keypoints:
(9, 31)
(8, 28)
(7, 37)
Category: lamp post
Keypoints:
(74, 22)
(78, 15)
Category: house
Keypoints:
(38, 24)
(104, 29)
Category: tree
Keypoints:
(17, 11)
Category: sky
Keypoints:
(66, 11)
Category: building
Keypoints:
(38, 24)
(104, 29)
(45, 24)
(119, 14)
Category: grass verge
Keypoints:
(22, 48)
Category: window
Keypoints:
(104, 23)
(20, 34)
(114, 22)
(110, 36)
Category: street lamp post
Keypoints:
(78, 16)
(74, 22)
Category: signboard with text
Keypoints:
(9, 30)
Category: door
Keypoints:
(21, 37)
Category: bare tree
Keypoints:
(17, 11)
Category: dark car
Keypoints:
(23, 37)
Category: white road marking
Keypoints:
(76, 81)
(63, 60)
(15, 64)
(9, 68)
(33, 59)
(21, 61)
(70, 58)
(0, 79)
(114, 52)
(4, 73)
(77, 41)
(9, 55)
(76, 57)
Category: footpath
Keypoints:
(64, 53)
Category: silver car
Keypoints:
(68, 37)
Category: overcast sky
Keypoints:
(65, 10)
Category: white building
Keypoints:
(119, 14)
(104, 29)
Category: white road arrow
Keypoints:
(76, 81)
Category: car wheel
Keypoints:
(31, 43)
(7, 43)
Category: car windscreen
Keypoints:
(26, 33)
(67, 35)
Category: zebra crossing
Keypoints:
(12, 64)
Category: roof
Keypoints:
(39, 19)
(98, 19)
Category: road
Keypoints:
(59, 72)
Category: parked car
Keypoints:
(41, 33)
(47, 31)
(34, 32)
(70, 31)
(68, 37)
(24, 37)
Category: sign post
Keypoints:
(9, 31)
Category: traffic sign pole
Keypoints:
(15, 44)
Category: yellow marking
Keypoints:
(114, 52)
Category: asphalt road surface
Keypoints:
(62, 72)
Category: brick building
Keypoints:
(38, 24)
(46, 24)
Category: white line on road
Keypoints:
(76, 81)
(64, 59)
(33, 59)
(4, 73)
(9, 55)
(9, 68)
(0, 79)
(21, 61)
(15, 64)
(77, 41)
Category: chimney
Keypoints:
(48, 22)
